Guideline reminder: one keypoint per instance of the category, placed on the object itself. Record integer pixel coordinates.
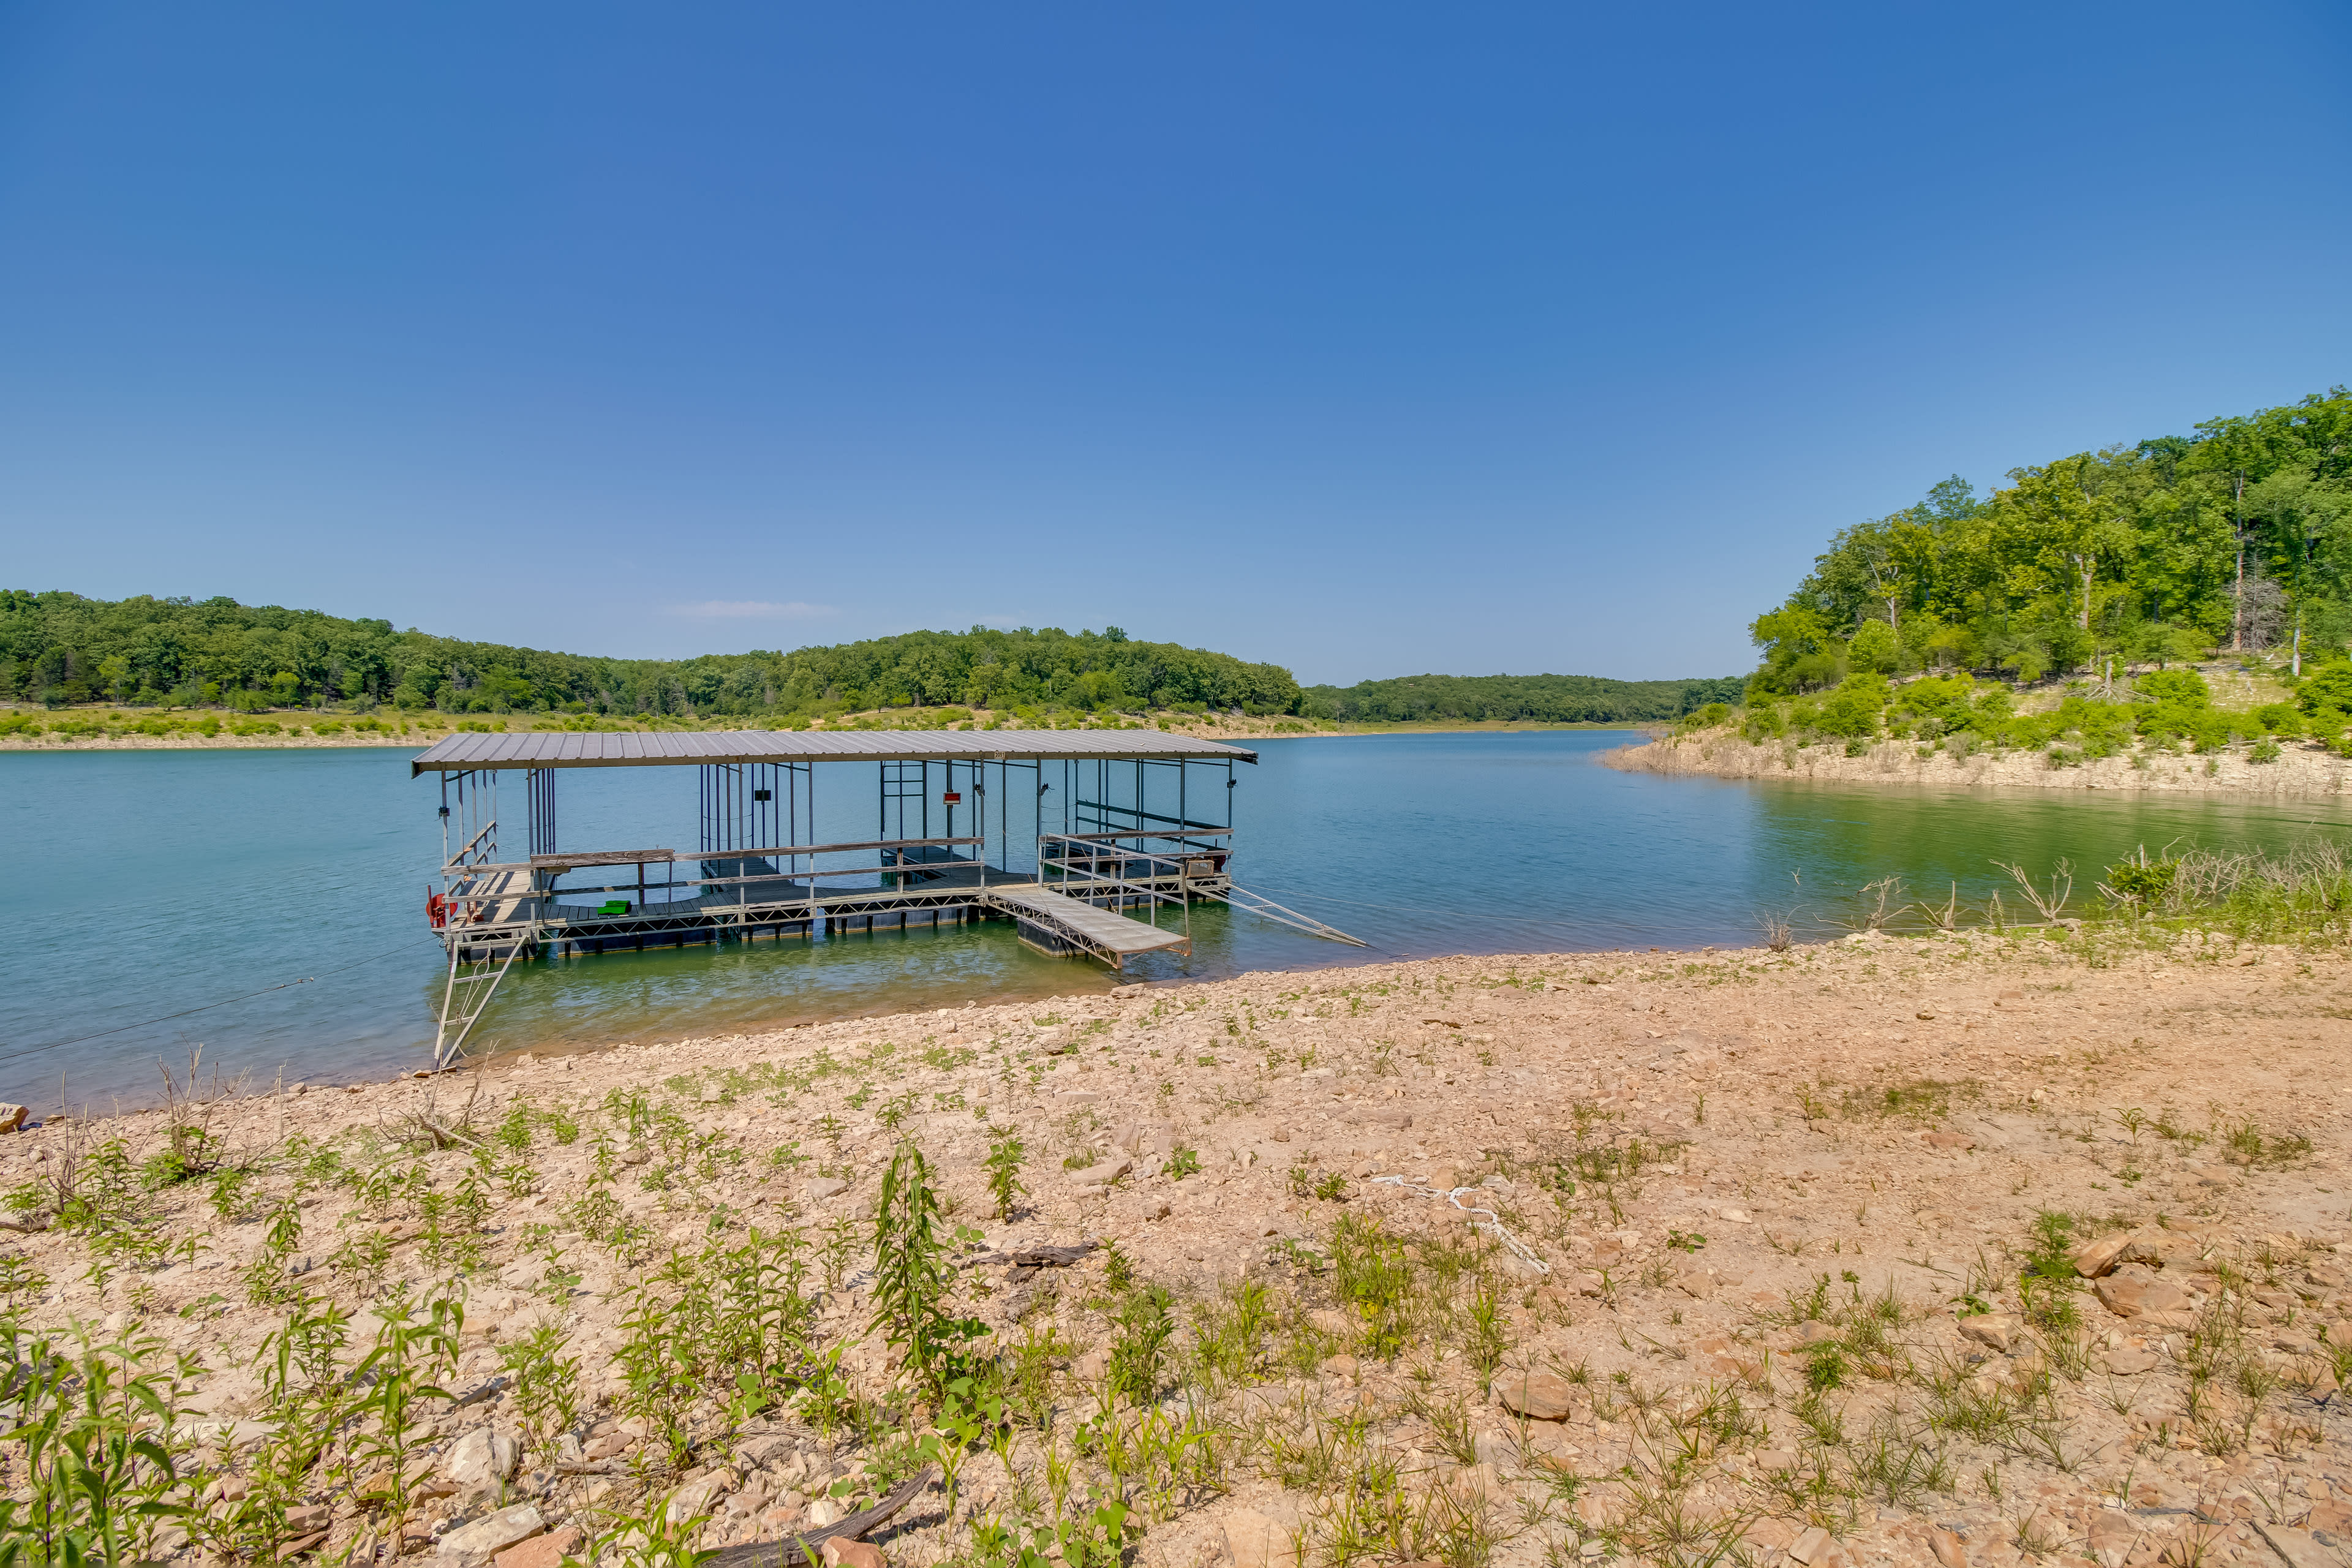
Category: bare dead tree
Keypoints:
(2062, 887)
(1944, 916)
(434, 1128)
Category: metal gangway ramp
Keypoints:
(1105, 933)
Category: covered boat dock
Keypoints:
(1060, 832)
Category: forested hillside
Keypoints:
(1553, 699)
(2238, 537)
(61, 648)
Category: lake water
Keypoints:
(149, 883)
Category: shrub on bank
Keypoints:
(2165, 710)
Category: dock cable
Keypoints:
(1305, 897)
(1492, 1223)
(224, 1002)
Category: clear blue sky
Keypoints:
(1370, 339)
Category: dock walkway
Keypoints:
(1115, 936)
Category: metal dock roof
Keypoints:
(629, 749)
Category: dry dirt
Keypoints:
(2300, 771)
(1721, 1160)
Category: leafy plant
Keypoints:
(1488, 1337)
(1146, 1321)
(911, 1275)
(84, 1426)
(416, 1346)
(1373, 1274)
(1119, 1268)
(547, 1387)
(658, 1373)
(2045, 1281)
(265, 1279)
(651, 1539)
(1004, 1156)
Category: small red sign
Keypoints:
(953, 797)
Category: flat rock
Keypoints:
(2097, 1258)
(696, 1498)
(1105, 1174)
(1549, 1448)
(1141, 1137)
(1255, 1540)
(1538, 1396)
(819, 1188)
(2131, 1291)
(2166, 1248)
(11, 1117)
(1997, 1329)
(838, 1553)
(1811, 1543)
(482, 1455)
(486, 1536)
(2130, 1361)
(2299, 1547)
(766, 1450)
(541, 1550)
(2112, 1535)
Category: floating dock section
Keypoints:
(1070, 835)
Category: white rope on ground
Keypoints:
(1492, 1223)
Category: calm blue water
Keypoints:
(149, 883)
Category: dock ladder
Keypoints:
(467, 996)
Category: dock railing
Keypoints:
(475, 852)
(1201, 873)
(471, 900)
(1083, 854)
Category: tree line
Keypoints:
(2238, 537)
(1548, 699)
(61, 648)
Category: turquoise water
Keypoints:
(149, 883)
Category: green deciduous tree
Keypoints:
(2147, 553)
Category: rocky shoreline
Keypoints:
(2299, 771)
(1960, 1250)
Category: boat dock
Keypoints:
(1091, 843)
